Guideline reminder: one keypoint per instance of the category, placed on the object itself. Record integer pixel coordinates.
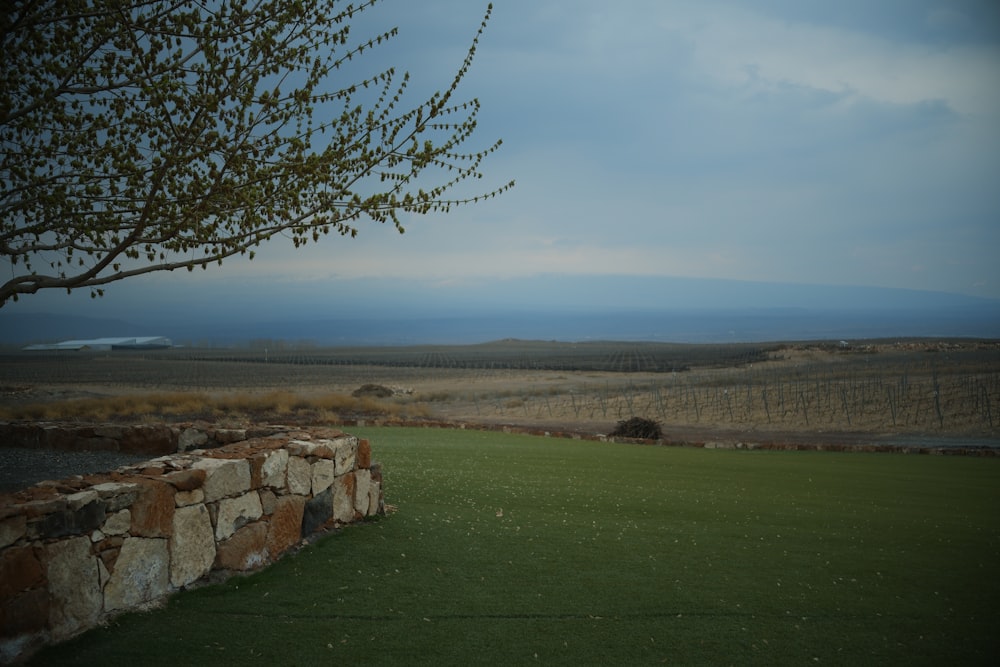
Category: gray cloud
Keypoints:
(842, 143)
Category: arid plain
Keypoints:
(919, 389)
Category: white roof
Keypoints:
(139, 341)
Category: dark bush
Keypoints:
(638, 427)
(373, 390)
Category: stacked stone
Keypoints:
(77, 551)
(145, 439)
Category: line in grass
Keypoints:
(574, 616)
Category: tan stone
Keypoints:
(274, 468)
(299, 476)
(192, 546)
(190, 438)
(234, 513)
(375, 504)
(118, 523)
(117, 495)
(103, 573)
(362, 486)
(322, 476)
(225, 436)
(346, 454)
(343, 498)
(153, 510)
(245, 550)
(74, 586)
(267, 501)
(141, 574)
(285, 526)
(224, 477)
(316, 448)
(81, 499)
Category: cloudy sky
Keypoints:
(786, 141)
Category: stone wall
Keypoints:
(149, 439)
(75, 552)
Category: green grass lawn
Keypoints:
(511, 549)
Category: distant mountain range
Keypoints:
(541, 308)
(695, 326)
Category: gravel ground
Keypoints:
(22, 467)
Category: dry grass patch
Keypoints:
(325, 407)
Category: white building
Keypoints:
(135, 343)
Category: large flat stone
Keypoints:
(234, 513)
(343, 498)
(299, 476)
(274, 468)
(345, 454)
(141, 574)
(75, 600)
(192, 546)
(362, 486)
(224, 477)
(322, 476)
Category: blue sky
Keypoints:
(783, 141)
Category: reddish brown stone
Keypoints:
(256, 468)
(153, 510)
(186, 480)
(285, 526)
(150, 439)
(20, 570)
(54, 437)
(245, 550)
(364, 456)
(24, 614)
(109, 557)
(343, 499)
(110, 542)
(328, 433)
(39, 501)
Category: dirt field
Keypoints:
(916, 389)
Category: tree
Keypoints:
(153, 135)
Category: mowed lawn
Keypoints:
(512, 549)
